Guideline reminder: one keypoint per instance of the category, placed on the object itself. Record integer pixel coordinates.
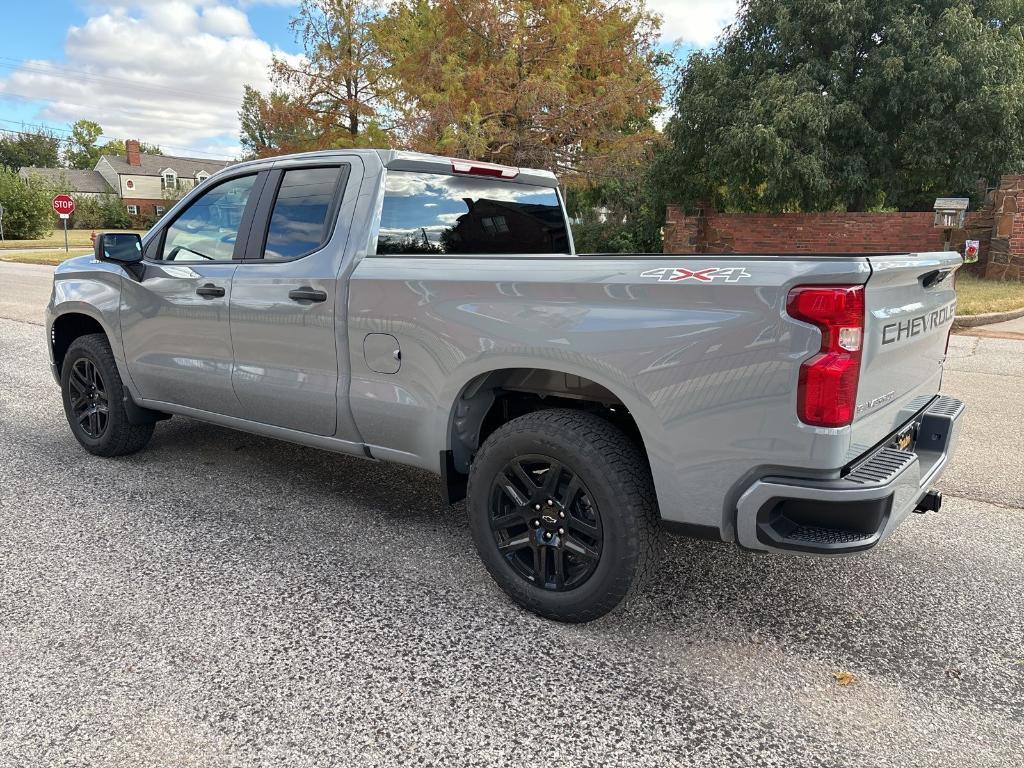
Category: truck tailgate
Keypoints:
(910, 303)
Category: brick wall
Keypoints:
(801, 232)
(999, 228)
(147, 209)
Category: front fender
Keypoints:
(91, 288)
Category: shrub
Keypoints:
(115, 215)
(27, 210)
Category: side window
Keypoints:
(433, 213)
(207, 230)
(303, 213)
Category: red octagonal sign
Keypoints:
(63, 204)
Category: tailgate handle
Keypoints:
(936, 276)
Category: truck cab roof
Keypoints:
(394, 159)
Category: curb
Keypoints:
(972, 321)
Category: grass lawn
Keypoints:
(55, 239)
(43, 256)
(975, 296)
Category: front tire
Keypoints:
(563, 513)
(93, 395)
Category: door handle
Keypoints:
(307, 294)
(209, 291)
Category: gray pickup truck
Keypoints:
(432, 312)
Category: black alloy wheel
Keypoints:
(563, 513)
(545, 522)
(95, 400)
(89, 406)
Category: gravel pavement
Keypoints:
(225, 600)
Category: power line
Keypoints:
(27, 124)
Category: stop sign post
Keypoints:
(64, 205)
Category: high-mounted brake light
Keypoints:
(484, 169)
(827, 391)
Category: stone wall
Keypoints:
(1007, 257)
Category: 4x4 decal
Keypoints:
(702, 275)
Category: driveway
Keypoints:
(221, 599)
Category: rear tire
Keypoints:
(93, 395)
(569, 546)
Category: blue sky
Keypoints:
(171, 72)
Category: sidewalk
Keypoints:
(37, 248)
(1008, 329)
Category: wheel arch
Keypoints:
(73, 324)
(493, 397)
(70, 325)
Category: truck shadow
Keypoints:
(898, 611)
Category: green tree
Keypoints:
(849, 104)
(116, 147)
(82, 149)
(22, 149)
(26, 204)
(115, 215)
(622, 212)
(276, 124)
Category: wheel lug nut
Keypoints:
(561, 513)
(535, 523)
(550, 502)
(537, 507)
(547, 536)
(561, 531)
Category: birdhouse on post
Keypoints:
(950, 214)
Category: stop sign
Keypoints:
(64, 205)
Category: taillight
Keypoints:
(470, 168)
(827, 393)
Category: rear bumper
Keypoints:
(854, 513)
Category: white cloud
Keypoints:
(693, 22)
(169, 73)
(221, 20)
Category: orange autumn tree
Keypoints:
(566, 85)
(332, 95)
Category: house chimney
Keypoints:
(131, 147)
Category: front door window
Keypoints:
(208, 229)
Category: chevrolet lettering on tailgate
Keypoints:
(915, 326)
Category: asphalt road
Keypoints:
(24, 291)
(221, 600)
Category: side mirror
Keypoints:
(122, 247)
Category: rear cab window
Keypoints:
(434, 213)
